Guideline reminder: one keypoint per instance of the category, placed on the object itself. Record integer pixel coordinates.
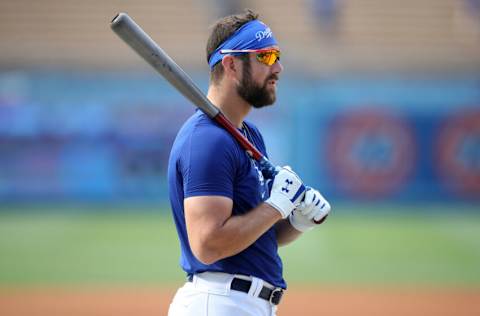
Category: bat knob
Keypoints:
(320, 221)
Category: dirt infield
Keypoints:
(298, 301)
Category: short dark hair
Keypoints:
(222, 30)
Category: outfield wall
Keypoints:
(105, 136)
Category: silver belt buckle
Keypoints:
(276, 296)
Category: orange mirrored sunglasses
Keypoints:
(265, 56)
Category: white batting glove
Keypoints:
(310, 212)
(287, 191)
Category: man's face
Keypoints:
(259, 82)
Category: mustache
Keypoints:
(273, 76)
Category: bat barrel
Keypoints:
(132, 34)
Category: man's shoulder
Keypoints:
(199, 127)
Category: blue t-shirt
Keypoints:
(206, 160)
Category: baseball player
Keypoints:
(229, 219)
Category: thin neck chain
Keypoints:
(246, 132)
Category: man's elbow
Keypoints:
(206, 255)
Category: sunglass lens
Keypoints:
(268, 58)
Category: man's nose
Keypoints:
(277, 67)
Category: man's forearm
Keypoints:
(239, 232)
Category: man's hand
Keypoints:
(310, 212)
(287, 191)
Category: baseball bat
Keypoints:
(133, 35)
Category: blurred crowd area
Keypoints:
(316, 36)
(379, 99)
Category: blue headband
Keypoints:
(252, 35)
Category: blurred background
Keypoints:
(378, 107)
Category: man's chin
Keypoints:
(264, 104)
(260, 97)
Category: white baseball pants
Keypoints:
(209, 294)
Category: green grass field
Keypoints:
(355, 247)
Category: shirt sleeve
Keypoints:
(208, 167)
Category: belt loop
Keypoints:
(259, 287)
(253, 287)
(230, 280)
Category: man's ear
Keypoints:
(230, 67)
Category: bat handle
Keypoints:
(268, 169)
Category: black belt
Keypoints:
(273, 296)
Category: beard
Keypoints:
(256, 95)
